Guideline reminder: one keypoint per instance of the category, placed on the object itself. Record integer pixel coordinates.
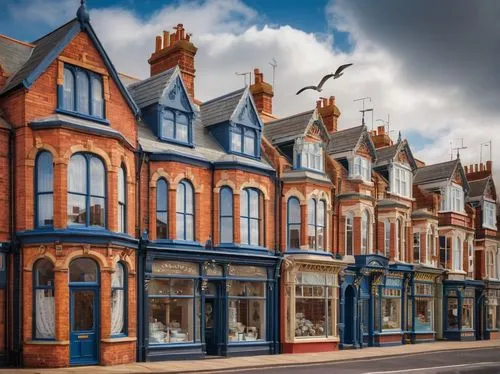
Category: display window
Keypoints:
(467, 313)
(493, 309)
(246, 311)
(424, 311)
(391, 309)
(452, 317)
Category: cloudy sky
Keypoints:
(433, 66)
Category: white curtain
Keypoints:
(45, 314)
(118, 301)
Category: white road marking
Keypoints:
(434, 368)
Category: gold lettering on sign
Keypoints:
(247, 271)
(319, 268)
(175, 267)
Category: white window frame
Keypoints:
(452, 199)
(366, 233)
(311, 156)
(457, 249)
(489, 215)
(417, 244)
(429, 238)
(387, 238)
(401, 180)
(470, 256)
(360, 168)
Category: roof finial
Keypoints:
(399, 137)
(82, 14)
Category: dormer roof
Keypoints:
(443, 171)
(350, 140)
(388, 154)
(482, 187)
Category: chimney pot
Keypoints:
(332, 100)
(318, 103)
(166, 39)
(258, 76)
(481, 166)
(325, 102)
(466, 168)
(476, 167)
(488, 165)
(381, 130)
(158, 43)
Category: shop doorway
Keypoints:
(213, 318)
(349, 316)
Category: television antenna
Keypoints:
(458, 148)
(245, 74)
(484, 144)
(387, 124)
(363, 111)
(274, 64)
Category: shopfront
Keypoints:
(463, 309)
(199, 306)
(310, 303)
(492, 293)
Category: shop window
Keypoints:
(122, 200)
(316, 224)
(391, 309)
(44, 190)
(314, 305)
(86, 191)
(452, 314)
(457, 254)
(44, 304)
(176, 125)
(493, 302)
(467, 313)
(387, 238)
(119, 300)
(174, 311)
(401, 182)
(365, 233)
(424, 311)
(294, 223)
(251, 209)
(349, 224)
(246, 311)
(185, 211)
(490, 215)
(444, 250)
(82, 92)
(416, 248)
(226, 215)
(161, 209)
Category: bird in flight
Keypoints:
(338, 73)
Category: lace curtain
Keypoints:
(118, 301)
(45, 313)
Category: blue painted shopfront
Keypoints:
(197, 301)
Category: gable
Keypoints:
(489, 191)
(365, 146)
(246, 114)
(316, 130)
(175, 95)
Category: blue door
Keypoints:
(84, 335)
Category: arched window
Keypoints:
(185, 211)
(119, 300)
(68, 100)
(316, 222)
(294, 223)
(251, 207)
(457, 254)
(349, 224)
(161, 209)
(44, 190)
(86, 190)
(387, 238)
(83, 270)
(226, 215)
(82, 92)
(365, 233)
(44, 305)
(122, 200)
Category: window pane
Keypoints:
(254, 232)
(293, 211)
(189, 197)
(226, 230)
(244, 203)
(244, 226)
(77, 209)
(391, 314)
(182, 127)
(189, 227)
(254, 204)
(97, 211)
(226, 202)
(77, 174)
(349, 238)
(423, 314)
(97, 100)
(181, 196)
(68, 91)
(171, 320)
(294, 236)
(179, 226)
(45, 172)
(45, 210)
(83, 310)
(121, 185)
(97, 177)
(246, 320)
(249, 145)
(82, 94)
(83, 270)
(168, 124)
(310, 318)
(236, 140)
(117, 312)
(44, 314)
(161, 225)
(321, 213)
(161, 195)
(311, 236)
(118, 277)
(44, 273)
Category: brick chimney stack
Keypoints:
(262, 93)
(478, 171)
(329, 113)
(380, 138)
(173, 49)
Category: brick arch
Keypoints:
(321, 195)
(124, 260)
(189, 177)
(39, 147)
(96, 256)
(88, 148)
(293, 192)
(257, 186)
(124, 161)
(48, 256)
(225, 183)
(159, 173)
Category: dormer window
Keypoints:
(81, 92)
(175, 125)
(243, 141)
(309, 156)
(489, 215)
(360, 168)
(452, 199)
(401, 180)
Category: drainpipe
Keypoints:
(278, 193)
(212, 205)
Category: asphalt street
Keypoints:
(477, 361)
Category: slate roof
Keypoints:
(345, 140)
(13, 54)
(289, 128)
(435, 172)
(149, 91)
(127, 80)
(43, 47)
(387, 153)
(220, 109)
(478, 186)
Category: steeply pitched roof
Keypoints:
(435, 172)
(13, 54)
(387, 154)
(150, 90)
(220, 109)
(345, 140)
(287, 129)
(127, 80)
(478, 186)
(43, 47)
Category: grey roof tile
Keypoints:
(435, 172)
(387, 153)
(345, 140)
(149, 91)
(43, 47)
(127, 80)
(13, 55)
(289, 128)
(478, 186)
(220, 109)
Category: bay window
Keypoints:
(185, 211)
(44, 190)
(489, 215)
(349, 225)
(360, 168)
(387, 238)
(226, 215)
(401, 180)
(316, 224)
(294, 223)
(251, 209)
(452, 199)
(309, 156)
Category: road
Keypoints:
(477, 361)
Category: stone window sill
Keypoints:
(119, 340)
(47, 342)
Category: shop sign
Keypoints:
(214, 271)
(393, 282)
(247, 271)
(175, 268)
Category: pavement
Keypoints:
(253, 363)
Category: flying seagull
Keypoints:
(338, 73)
